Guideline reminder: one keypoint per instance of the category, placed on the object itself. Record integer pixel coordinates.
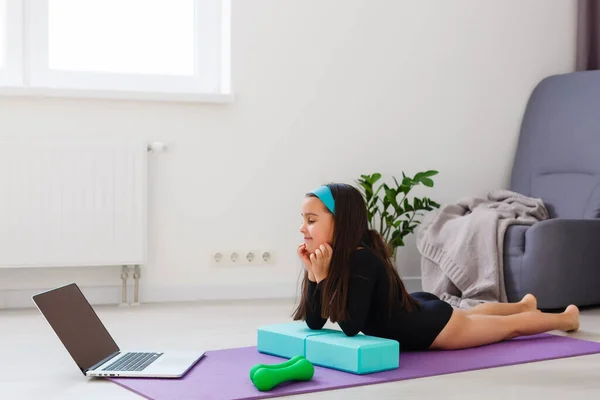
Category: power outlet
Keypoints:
(242, 258)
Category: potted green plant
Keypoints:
(389, 210)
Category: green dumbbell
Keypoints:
(289, 362)
(267, 377)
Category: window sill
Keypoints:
(20, 91)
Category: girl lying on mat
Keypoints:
(351, 280)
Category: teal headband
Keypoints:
(324, 194)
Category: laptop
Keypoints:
(93, 349)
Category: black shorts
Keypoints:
(426, 323)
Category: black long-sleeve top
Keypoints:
(365, 276)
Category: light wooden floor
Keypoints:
(27, 343)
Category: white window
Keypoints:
(117, 48)
(11, 42)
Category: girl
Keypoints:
(351, 280)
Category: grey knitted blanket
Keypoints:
(462, 245)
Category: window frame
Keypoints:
(31, 75)
(12, 73)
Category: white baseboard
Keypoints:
(412, 284)
(108, 295)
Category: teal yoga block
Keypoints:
(287, 339)
(360, 354)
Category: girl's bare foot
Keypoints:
(572, 323)
(529, 302)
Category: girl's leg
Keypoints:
(527, 303)
(464, 330)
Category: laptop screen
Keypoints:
(76, 324)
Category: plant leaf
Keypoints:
(430, 173)
(427, 182)
(407, 206)
(375, 177)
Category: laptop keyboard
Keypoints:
(133, 362)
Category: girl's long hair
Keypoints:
(351, 231)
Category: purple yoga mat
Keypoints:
(224, 374)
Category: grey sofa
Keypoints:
(558, 160)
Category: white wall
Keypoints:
(326, 90)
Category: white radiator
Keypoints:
(72, 203)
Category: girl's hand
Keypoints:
(304, 256)
(320, 261)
